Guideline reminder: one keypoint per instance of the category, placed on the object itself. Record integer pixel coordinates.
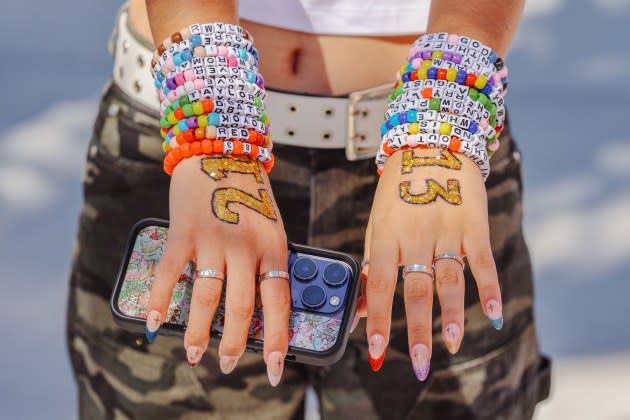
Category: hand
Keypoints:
(223, 217)
(427, 202)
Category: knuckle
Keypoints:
(241, 310)
(208, 294)
(196, 336)
(419, 331)
(448, 275)
(378, 285)
(276, 339)
(278, 301)
(417, 288)
(484, 260)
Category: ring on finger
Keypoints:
(418, 268)
(450, 256)
(209, 273)
(274, 274)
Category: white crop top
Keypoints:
(340, 17)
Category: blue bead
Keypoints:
(402, 117)
(251, 77)
(412, 116)
(165, 90)
(177, 59)
(242, 54)
(187, 55)
(157, 84)
(487, 89)
(183, 126)
(394, 120)
(213, 119)
(410, 67)
(473, 127)
(159, 76)
(195, 40)
(492, 57)
(461, 77)
(432, 73)
(405, 77)
(383, 129)
(389, 124)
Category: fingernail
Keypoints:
(228, 363)
(275, 366)
(495, 314)
(153, 324)
(193, 354)
(452, 337)
(376, 352)
(421, 361)
(355, 322)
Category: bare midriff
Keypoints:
(309, 63)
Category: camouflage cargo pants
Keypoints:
(325, 201)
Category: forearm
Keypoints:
(168, 16)
(492, 22)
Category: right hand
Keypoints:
(211, 226)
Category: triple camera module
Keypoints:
(333, 276)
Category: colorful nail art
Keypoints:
(376, 352)
(421, 361)
(495, 314)
(193, 354)
(153, 324)
(275, 366)
(452, 337)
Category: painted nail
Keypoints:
(495, 314)
(421, 360)
(228, 363)
(376, 352)
(452, 337)
(153, 324)
(275, 366)
(193, 354)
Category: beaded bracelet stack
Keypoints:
(211, 95)
(450, 95)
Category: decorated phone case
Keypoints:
(324, 289)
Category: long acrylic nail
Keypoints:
(228, 363)
(153, 324)
(452, 337)
(421, 361)
(275, 366)
(494, 311)
(376, 352)
(193, 354)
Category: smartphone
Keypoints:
(324, 291)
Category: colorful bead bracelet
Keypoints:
(219, 133)
(205, 107)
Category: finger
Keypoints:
(176, 254)
(205, 299)
(276, 300)
(418, 296)
(239, 306)
(449, 282)
(484, 270)
(380, 287)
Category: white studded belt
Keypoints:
(322, 122)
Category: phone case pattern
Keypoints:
(306, 330)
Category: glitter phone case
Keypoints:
(324, 290)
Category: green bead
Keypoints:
(264, 118)
(484, 100)
(257, 102)
(188, 110)
(473, 94)
(197, 108)
(492, 108)
(435, 104)
(171, 119)
(164, 123)
(183, 100)
(493, 121)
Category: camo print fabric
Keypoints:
(325, 202)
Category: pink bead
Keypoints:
(411, 140)
(173, 143)
(484, 124)
(170, 64)
(453, 39)
(189, 75)
(161, 94)
(172, 96)
(398, 77)
(179, 79)
(416, 62)
(494, 146)
(232, 62)
(222, 51)
(199, 84)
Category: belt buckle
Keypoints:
(354, 150)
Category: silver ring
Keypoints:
(418, 268)
(364, 262)
(275, 274)
(209, 273)
(450, 256)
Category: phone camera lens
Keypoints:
(335, 274)
(313, 296)
(304, 268)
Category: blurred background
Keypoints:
(570, 101)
